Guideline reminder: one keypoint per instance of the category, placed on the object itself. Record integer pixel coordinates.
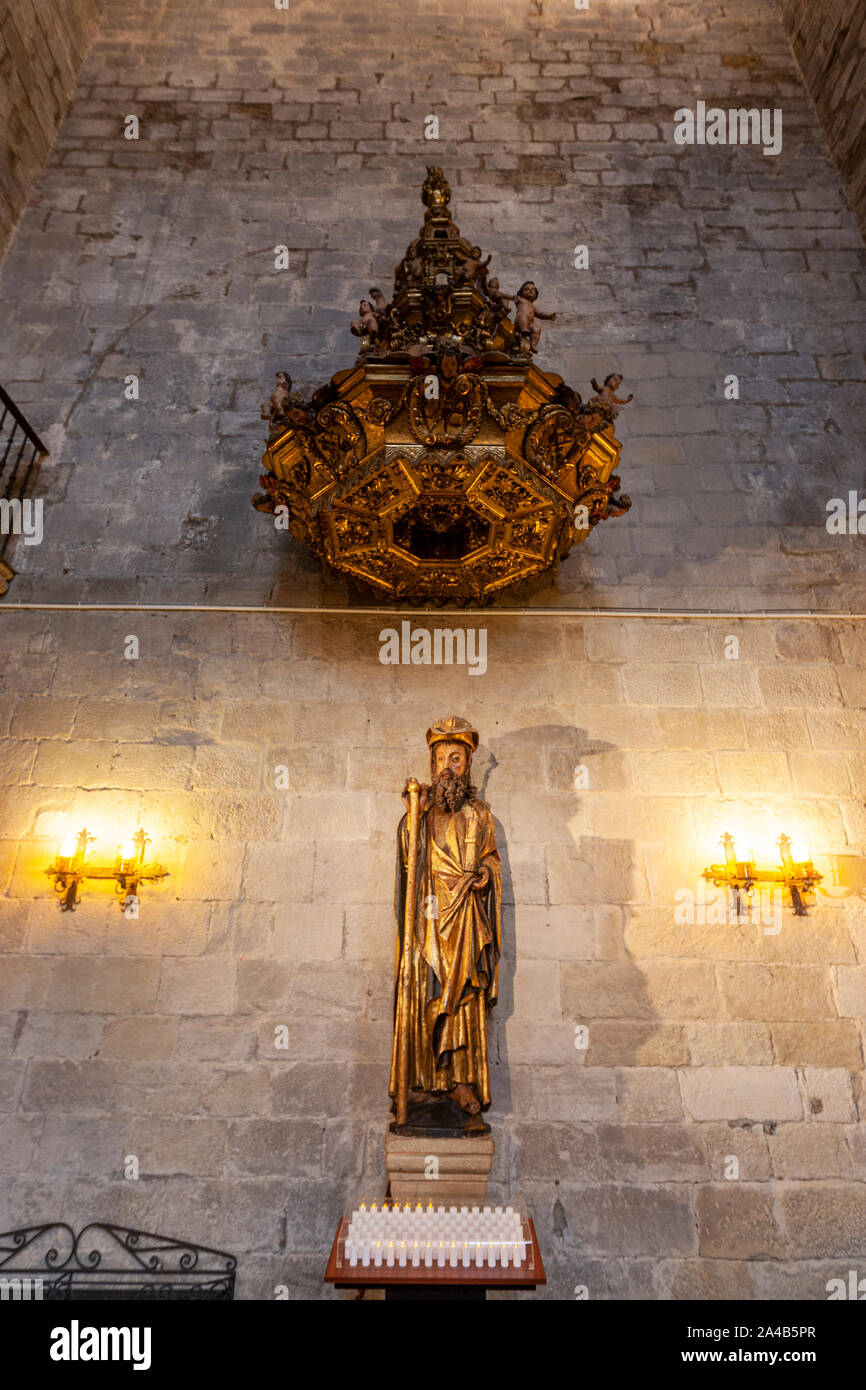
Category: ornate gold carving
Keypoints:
(445, 466)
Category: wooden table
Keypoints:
(436, 1283)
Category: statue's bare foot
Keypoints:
(466, 1099)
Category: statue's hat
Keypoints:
(453, 730)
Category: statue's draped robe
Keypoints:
(455, 952)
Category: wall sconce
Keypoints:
(741, 875)
(128, 870)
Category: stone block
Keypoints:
(828, 1094)
(175, 1147)
(737, 1221)
(812, 1152)
(72, 1036)
(732, 1093)
(88, 984)
(784, 992)
(647, 1094)
(140, 1039)
(740, 1140)
(835, 1043)
(851, 985)
(651, 1153)
(630, 1221)
(197, 986)
(826, 1220)
(286, 1147)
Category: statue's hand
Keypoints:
(423, 797)
(481, 879)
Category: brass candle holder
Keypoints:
(129, 869)
(741, 875)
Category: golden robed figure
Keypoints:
(449, 932)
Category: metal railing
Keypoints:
(21, 451)
(50, 1262)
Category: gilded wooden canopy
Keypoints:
(445, 465)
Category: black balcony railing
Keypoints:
(21, 451)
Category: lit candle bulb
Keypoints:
(127, 853)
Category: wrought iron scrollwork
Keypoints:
(109, 1261)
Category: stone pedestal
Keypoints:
(441, 1171)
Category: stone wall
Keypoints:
(155, 1037)
(41, 50)
(154, 257)
(829, 42)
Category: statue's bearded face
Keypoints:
(451, 785)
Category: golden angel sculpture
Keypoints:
(449, 934)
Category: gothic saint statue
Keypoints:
(449, 931)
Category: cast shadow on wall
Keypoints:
(601, 988)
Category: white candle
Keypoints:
(390, 1254)
(377, 1254)
(440, 1255)
(518, 1254)
(428, 1255)
(452, 1258)
(479, 1253)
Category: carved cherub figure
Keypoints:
(381, 304)
(413, 264)
(472, 269)
(607, 393)
(275, 408)
(593, 416)
(285, 405)
(499, 302)
(526, 314)
(366, 323)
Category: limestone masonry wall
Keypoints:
(829, 42)
(305, 128)
(707, 1042)
(41, 49)
(156, 1037)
